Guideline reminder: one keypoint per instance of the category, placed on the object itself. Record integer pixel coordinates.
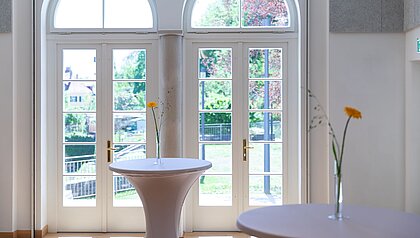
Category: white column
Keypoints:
(170, 92)
(7, 223)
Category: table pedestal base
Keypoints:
(164, 195)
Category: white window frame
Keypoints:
(292, 110)
(53, 84)
(52, 29)
(189, 6)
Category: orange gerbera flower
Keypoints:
(353, 112)
(152, 104)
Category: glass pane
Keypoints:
(79, 191)
(265, 158)
(215, 14)
(129, 96)
(79, 127)
(215, 126)
(265, 13)
(79, 159)
(265, 63)
(265, 126)
(129, 127)
(128, 14)
(215, 190)
(265, 190)
(79, 96)
(125, 194)
(215, 95)
(78, 14)
(129, 64)
(215, 64)
(79, 64)
(219, 155)
(129, 152)
(265, 94)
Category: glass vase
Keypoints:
(158, 159)
(338, 198)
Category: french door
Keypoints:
(102, 95)
(239, 121)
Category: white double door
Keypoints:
(101, 117)
(240, 113)
(238, 100)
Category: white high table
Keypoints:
(162, 189)
(311, 220)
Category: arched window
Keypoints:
(103, 15)
(240, 14)
(243, 105)
(98, 88)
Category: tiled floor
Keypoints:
(139, 235)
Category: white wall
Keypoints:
(6, 138)
(412, 129)
(15, 121)
(367, 72)
(22, 107)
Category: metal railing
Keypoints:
(79, 187)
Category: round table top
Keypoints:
(311, 220)
(168, 166)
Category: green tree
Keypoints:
(131, 95)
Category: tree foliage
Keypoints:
(226, 13)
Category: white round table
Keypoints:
(162, 189)
(311, 220)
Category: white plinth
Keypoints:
(162, 189)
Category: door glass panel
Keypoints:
(265, 126)
(215, 126)
(129, 96)
(129, 64)
(79, 64)
(129, 152)
(219, 155)
(215, 63)
(79, 191)
(129, 127)
(264, 157)
(215, 95)
(79, 159)
(80, 127)
(265, 190)
(215, 190)
(79, 96)
(265, 63)
(265, 94)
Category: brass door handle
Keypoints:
(109, 150)
(244, 148)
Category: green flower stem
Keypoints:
(337, 202)
(157, 132)
(342, 144)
